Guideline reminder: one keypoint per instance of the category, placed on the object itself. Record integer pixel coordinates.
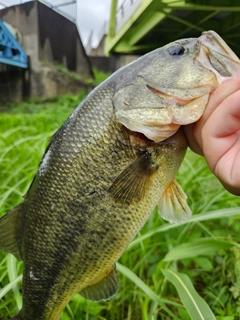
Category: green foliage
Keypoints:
(65, 70)
(55, 107)
(99, 77)
(194, 304)
(203, 254)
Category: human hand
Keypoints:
(216, 135)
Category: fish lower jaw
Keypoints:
(154, 133)
(158, 134)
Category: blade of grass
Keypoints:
(12, 274)
(204, 246)
(10, 286)
(135, 279)
(217, 214)
(194, 304)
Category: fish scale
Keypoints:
(105, 170)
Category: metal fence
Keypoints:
(67, 8)
(125, 11)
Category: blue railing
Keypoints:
(10, 50)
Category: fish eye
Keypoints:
(176, 50)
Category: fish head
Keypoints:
(171, 86)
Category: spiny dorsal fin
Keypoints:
(173, 206)
(8, 231)
(104, 288)
(133, 182)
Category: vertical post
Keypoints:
(112, 20)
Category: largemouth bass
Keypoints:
(105, 170)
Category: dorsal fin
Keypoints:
(135, 179)
(104, 288)
(9, 231)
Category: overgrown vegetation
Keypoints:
(99, 76)
(206, 249)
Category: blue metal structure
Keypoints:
(10, 50)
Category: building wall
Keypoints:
(47, 37)
(112, 63)
(14, 84)
(59, 41)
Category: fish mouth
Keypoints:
(179, 101)
(216, 56)
(214, 42)
(159, 123)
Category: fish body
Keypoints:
(104, 171)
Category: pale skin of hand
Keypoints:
(216, 135)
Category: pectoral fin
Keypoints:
(8, 231)
(133, 182)
(173, 206)
(104, 287)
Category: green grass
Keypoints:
(162, 266)
(99, 76)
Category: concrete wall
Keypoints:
(14, 84)
(104, 64)
(59, 41)
(47, 36)
(112, 63)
